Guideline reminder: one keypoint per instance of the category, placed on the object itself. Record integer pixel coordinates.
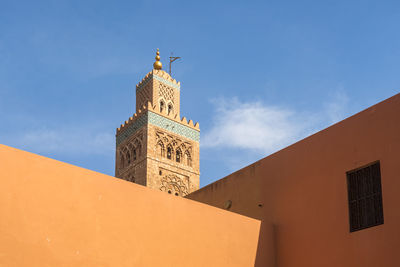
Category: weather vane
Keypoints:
(172, 59)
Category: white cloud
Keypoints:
(336, 109)
(264, 129)
(255, 126)
(75, 141)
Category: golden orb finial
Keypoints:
(157, 65)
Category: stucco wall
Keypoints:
(300, 194)
(56, 214)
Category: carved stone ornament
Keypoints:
(174, 185)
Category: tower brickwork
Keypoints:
(156, 147)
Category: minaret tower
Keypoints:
(156, 147)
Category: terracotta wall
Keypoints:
(300, 194)
(56, 214)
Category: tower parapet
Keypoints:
(161, 76)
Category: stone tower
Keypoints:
(156, 147)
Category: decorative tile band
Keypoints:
(158, 78)
(139, 123)
(159, 121)
(173, 126)
(161, 79)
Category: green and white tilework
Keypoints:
(158, 78)
(173, 126)
(162, 122)
(139, 123)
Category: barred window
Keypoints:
(365, 197)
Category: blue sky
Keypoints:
(256, 75)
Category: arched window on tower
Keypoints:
(170, 108)
(128, 157)
(122, 160)
(138, 148)
(188, 158)
(160, 149)
(169, 152)
(162, 106)
(134, 154)
(178, 155)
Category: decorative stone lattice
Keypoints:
(160, 76)
(165, 141)
(130, 176)
(129, 154)
(166, 92)
(143, 96)
(172, 184)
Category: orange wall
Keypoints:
(56, 214)
(303, 193)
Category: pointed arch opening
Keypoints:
(188, 158)
(160, 149)
(170, 108)
(162, 106)
(121, 160)
(178, 157)
(169, 152)
(128, 158)
(138, 147)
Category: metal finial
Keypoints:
(157, 65)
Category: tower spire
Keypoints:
(157, 65)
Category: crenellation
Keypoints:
(183, 120)
(159, 75)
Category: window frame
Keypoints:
(365, 198)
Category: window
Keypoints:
(122, 161)
(169, 153)
(169, 109)
(178, 156)
(160, 149)
(162, 106)
(365, 197)
(188, 159)
(128, 158)
(134, 154)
